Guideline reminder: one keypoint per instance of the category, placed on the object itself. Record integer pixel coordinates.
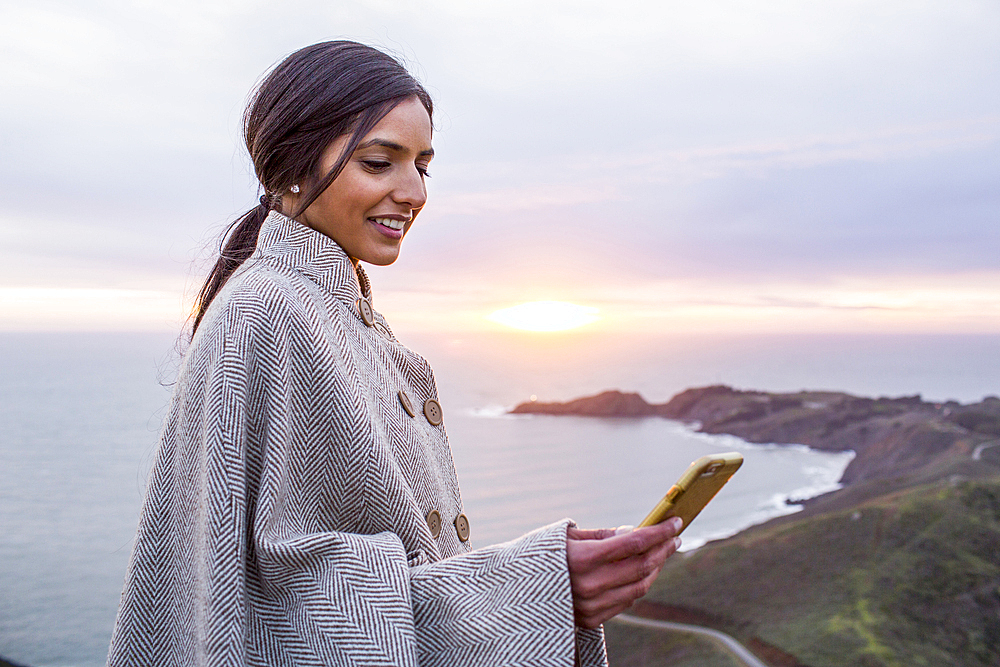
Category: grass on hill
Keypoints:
(909, 578)
(631, 646)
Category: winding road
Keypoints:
(977, 454)
(737, 649)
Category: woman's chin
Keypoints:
(383, 257)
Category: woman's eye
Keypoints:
(423, 170)
(376, 165)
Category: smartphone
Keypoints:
(699, 484)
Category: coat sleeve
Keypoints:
(508, 604)
(242, 558)
(361, 604)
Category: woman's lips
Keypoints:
(390, 227)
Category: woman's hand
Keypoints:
(609, 571)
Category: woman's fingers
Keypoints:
(575, 533)
(591, 613)
(611, 547)
(641, 540)
(608, 572)
(620, 573)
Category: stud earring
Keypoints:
(294, 189)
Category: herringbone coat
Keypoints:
(286, 517)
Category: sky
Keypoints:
(716, 167)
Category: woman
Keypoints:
(303, 508)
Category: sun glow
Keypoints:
(545, 316)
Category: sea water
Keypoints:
(80, 414)
(522, 471)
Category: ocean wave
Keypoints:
(822, 479)
(493, 412)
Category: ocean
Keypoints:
(81, 413)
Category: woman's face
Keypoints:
(371, 204)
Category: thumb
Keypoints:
(575, 533)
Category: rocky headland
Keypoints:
(901, 566)
(891, 437)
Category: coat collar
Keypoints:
(313, 254)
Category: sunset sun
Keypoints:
(545, 316)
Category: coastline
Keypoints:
(898, 566)
(749, 500)
(889, 436)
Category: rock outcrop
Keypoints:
(890, 436)
(898, 567)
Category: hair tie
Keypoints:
(265, 201)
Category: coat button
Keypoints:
(407, 404)
(365, 310)
(462, 527)
(432, 410)
(434, 523)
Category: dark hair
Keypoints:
(312, 97)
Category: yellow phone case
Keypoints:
(696, 487)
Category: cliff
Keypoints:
(899, 567)
(890, 436)
(606, 404)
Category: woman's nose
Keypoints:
(410, 190)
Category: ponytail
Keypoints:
(237, 244)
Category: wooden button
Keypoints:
(407, 404)
(432, 410)
(462, 527)
(365, 310)
(434, 523)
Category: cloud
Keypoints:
(923, 303)
(574, 179)
(738, 142)
(41, 309)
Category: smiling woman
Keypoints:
(372, 203)
(304, 507)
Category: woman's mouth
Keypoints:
(390, 223)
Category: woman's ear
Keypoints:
(290, 200)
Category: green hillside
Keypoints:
(900, 567)
(909, 578)
(629, 646)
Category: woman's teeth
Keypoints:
(390, 223)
